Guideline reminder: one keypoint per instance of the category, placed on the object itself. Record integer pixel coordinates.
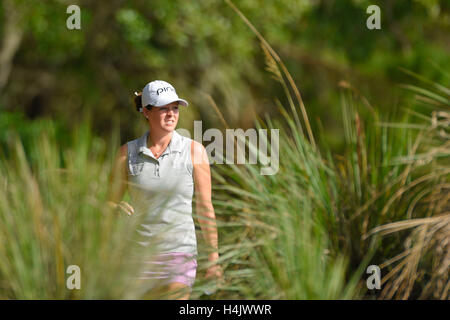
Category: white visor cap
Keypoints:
(158, 93)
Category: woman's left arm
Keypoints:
(204, 207)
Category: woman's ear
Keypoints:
(146, 112)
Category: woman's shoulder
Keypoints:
(198, 153)
(133, 145)
(182, 135)
(123, 150)
(182, 141)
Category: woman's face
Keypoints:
(165, 117)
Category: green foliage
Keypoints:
(306, 233)
(203, 47)
(53, 215)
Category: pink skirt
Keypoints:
(172, 267)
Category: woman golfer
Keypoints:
(162, 169)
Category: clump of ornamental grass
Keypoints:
(419, 269)
(53, 216)
(310, 231)
(275, 240)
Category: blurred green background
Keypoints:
(203, 48)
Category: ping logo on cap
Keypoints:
(159, 93)
(160, 90)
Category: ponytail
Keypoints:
(138, 101)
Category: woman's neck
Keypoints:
(158, 139)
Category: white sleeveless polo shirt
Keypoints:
(162, 190)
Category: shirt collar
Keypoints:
(174, 144)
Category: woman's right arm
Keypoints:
(118, 180)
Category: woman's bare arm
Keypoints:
(118, 177)
(204, 207)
